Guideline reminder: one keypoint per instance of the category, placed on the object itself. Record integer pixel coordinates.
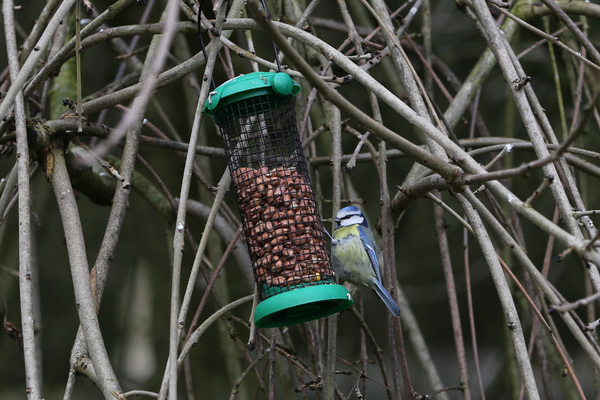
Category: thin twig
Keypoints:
(271, 351)
(378, 351)
(351, 164)
(563, 16)
(238, 382)
(547, 181)
(507, 149)
(474, 347)
(449, 210)
(333, 118)
(579, 214)
(510, 312)
(79, 105)
(10, 184)
(33, 371)
(211, 284)
(549, 38)
(576, 304)
(548, 328)
(195, 336)
(251, 345)
(592, 325)
(223, 188)
(137, 392)
(453, 302)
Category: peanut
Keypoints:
(282, 226)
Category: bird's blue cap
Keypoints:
(350, 211)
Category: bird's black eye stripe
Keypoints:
(348, 216)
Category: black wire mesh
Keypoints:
(279, 214)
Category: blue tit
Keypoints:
(354, 254)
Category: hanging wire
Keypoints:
(204, 48)
(274, 47)
(212, 79)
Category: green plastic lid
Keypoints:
(301, 305)
(250, 85)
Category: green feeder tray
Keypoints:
(249, 86)
(301, 305)
(281, 222)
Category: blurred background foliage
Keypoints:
(135, 310)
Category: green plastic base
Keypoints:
(301, 305)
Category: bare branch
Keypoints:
(84, 297)
(510, 312)
(26, 289)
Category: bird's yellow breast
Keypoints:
(344, 231)
(350, 258)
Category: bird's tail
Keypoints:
(386, 298)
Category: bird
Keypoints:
(354, 254)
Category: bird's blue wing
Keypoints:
(369, 243)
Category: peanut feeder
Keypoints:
(281, 222)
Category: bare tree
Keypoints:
(465, 131)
